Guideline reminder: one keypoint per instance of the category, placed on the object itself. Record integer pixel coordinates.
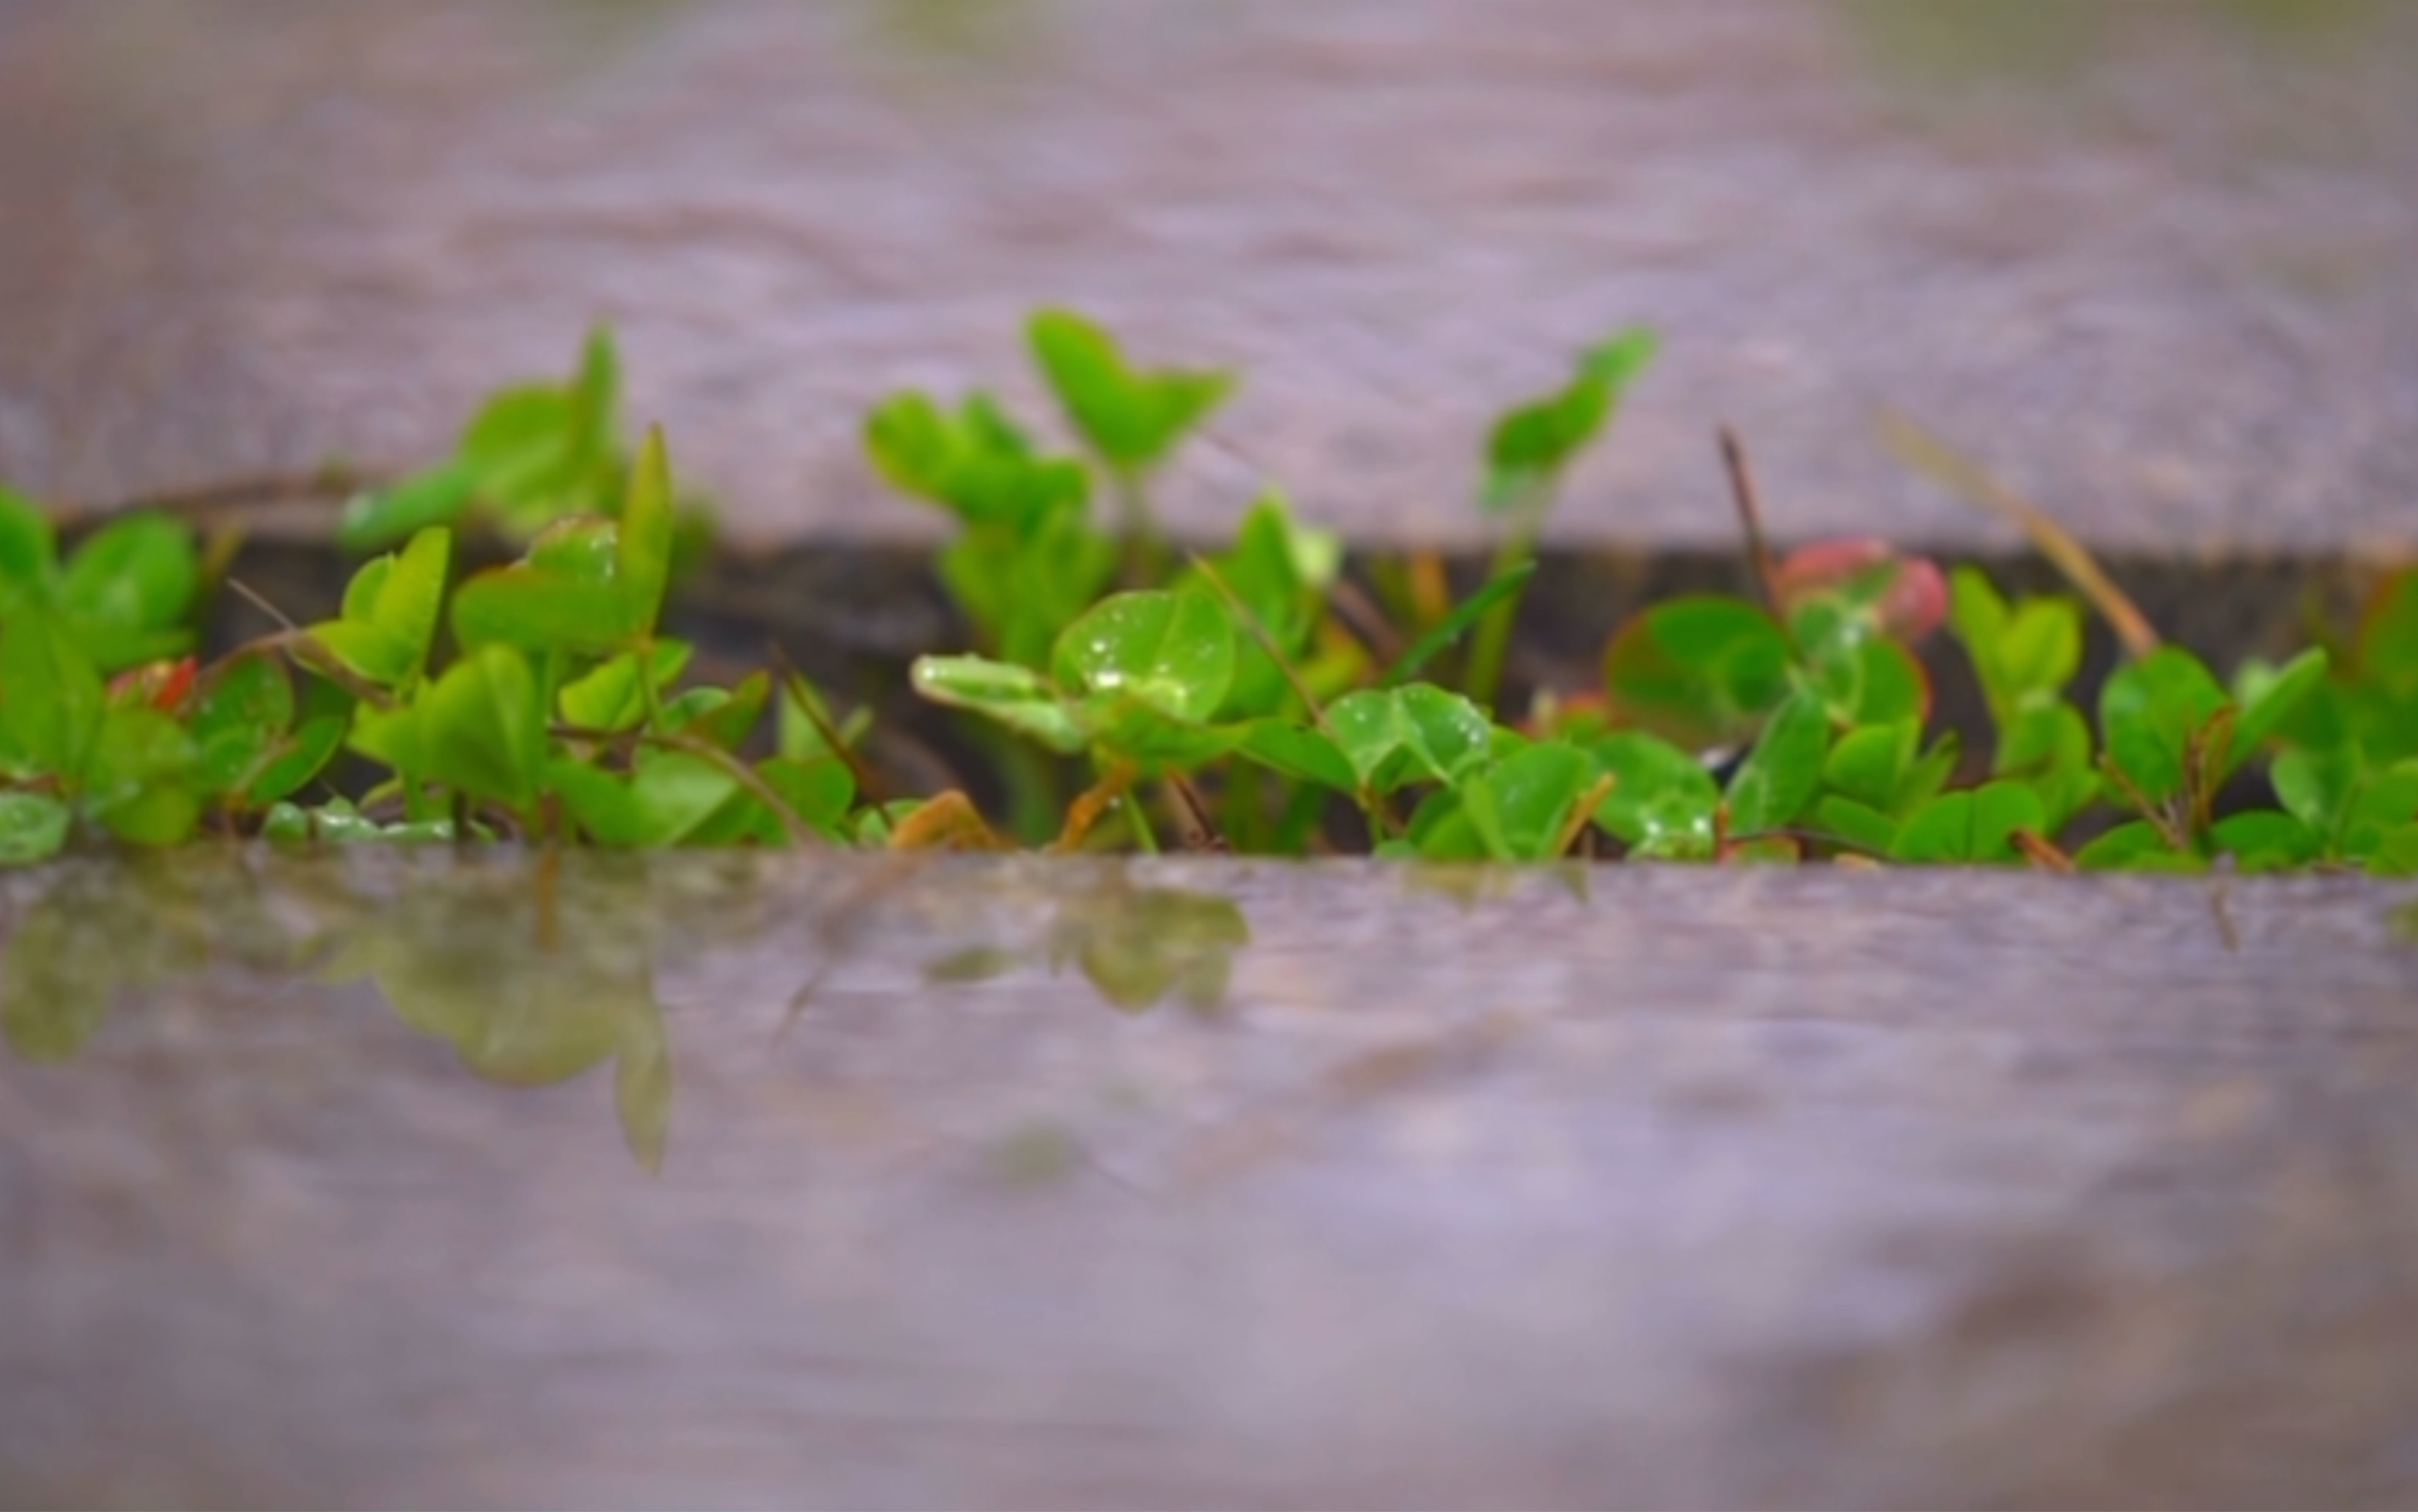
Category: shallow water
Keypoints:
(2149, 261)
(368, 1179)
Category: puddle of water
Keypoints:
(2147, 261)
(334, 1179)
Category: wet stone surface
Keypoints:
(2149, 261)
(326, 1181)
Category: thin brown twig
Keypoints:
(1362, 617)
(260, 602)
(1927, 453)
(1370, 803)
(1201, 831)
(868, 783)
(2042, 852)
(1267, 642)
(746, 776)
(1750, 511)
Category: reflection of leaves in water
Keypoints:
(454, 950)
(101, 928)
(1136, 945)
(464, 963)
(52, 999)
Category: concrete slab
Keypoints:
(2149, 262)
(1631, 1186)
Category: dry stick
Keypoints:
(745, 775)
(1091, 803)
(1750, 509)
(2042, 852)
(946, 821)
(1267, 642)
(245, 591)
(1364, 619)
(1200, 833)
(832, 932)
(868, 783)
(1927, 454)
(1580, 815)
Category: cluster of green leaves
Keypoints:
(1223, 698)
(557, 716)
(534, 453)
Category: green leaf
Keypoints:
(676, 792)
(1858, 824)
(1698, 671)
(599, 803)
(1303, 754)
(483, 731)
(33, 828)
(2381, 802)
(1520, 806)
(1531, 443)
(1444, 735)
(2265, 840)
(1465, 614)
(241, 717)
(133, 579)
(2022, 656)
(1871, 681)
(976, 464)
(391, 610)
(434, 497)
(1016, 696)
(28, 546)
(140, 781)
(2266, 701)
(1868, 763)
(1172, 652)
(538, 610)
(820, 790)
(646, 527)
(2149, 710)
(1368, 728)
(610, 697)
(412, 595)
(1966, 827)
(722, 717)
(50, 697)
(1420, 733)
(1131, 419)
(2395, 853)
(1022, 590)
(1663, 800)
(1784, 771)
(2137, 846)
(320, 728)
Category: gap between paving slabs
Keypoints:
(1076, 681)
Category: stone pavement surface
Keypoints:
(1370, 1186)
(2151, 262)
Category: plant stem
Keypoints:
(1492, 646)
(1146, 553)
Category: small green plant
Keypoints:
(533, 453)
(1132, 693)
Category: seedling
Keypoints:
(1226, 700)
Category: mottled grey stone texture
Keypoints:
(2151, 262)
(1638, 1186)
